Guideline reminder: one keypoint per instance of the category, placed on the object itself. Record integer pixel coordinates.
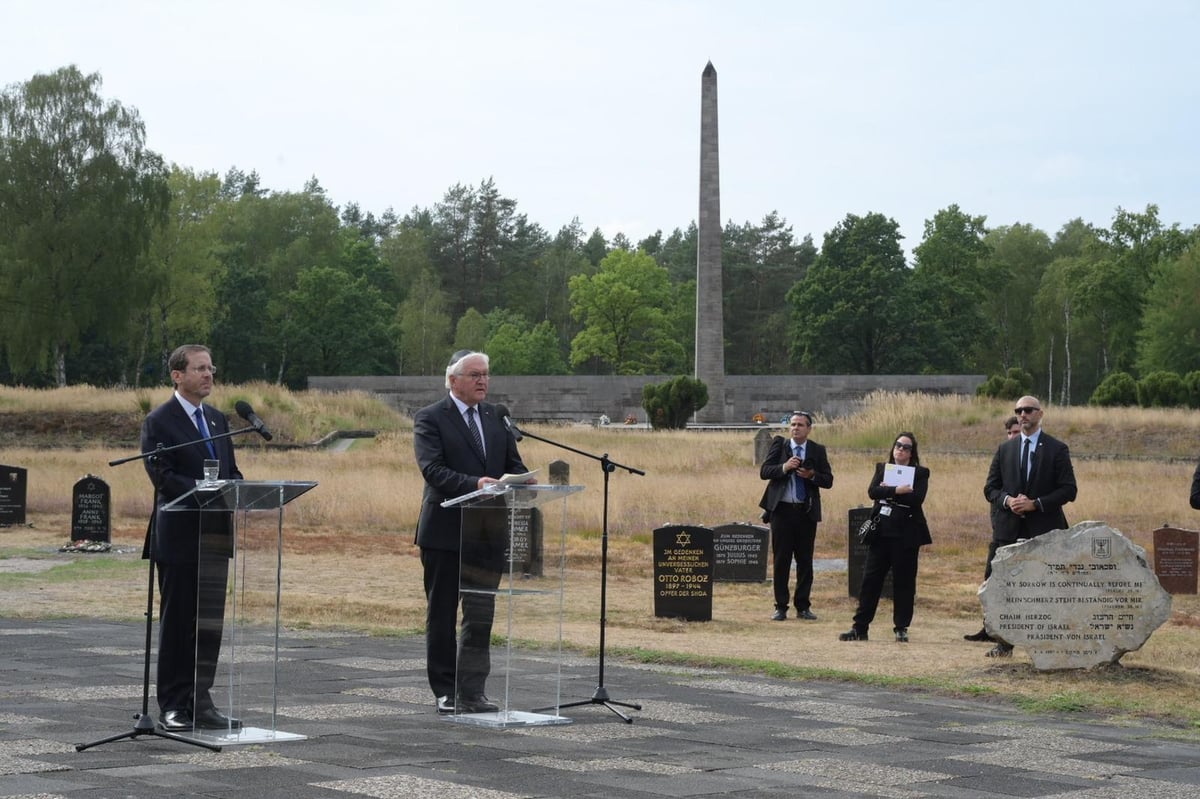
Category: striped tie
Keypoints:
(475, 436)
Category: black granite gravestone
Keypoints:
(91, 510)
(526, 550)
(13, 481)
(856, 554)
(740, 553)
(683, 572)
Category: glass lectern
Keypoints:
(511, 561)
(240, 569)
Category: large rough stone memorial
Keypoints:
(1074, 598)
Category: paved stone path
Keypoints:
(370, 730)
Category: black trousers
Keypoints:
(459, 664)
(190, 622)
(901, 559)
(793, 536)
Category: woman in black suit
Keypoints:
(901, 534)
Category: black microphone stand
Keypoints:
(600, 696)
(144, 723)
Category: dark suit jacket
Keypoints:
(451, 467)
(1195, 498)
(772, 469)
(177, 533)
(908, 513)
(1051, 483)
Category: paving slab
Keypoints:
(371, 730)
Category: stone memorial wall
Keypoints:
(1074, 598)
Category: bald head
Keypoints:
(1029, 413)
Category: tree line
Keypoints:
(110, 257)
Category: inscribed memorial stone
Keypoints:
(1176, 557)
(1074, 598)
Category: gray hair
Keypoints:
(457, 359)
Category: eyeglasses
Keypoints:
(1024, 409)
(905, 447)
(211, 370)
(476, 376)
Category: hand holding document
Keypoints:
(525, 478)
(897, 475)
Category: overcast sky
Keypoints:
(1034, 112)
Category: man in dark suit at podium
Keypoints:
(461, 445)
(190, 549)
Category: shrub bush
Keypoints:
(1161, 390)
(669, 405)
(1012, 384)
(1116, 390)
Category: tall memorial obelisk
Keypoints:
(710, 319)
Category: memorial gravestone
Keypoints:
(762, 445)
(740, 553)
(856, 554)
(1074, 598)
(13, 482)
(91, 507)
(1176, 557)
(683, 572)
(525, 543)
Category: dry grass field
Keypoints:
(349, 558)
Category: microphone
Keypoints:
(246, 412)
(502, 412)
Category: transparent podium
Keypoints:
(240, 569)
(511, 561)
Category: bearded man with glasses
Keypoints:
(1030, 479)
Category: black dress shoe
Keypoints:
(982, 635)
(853, 634)
(212, 719)
(1000, 650)
(445, 704)
(779, 615)
(806, 614)
(477, 704)
(176, 721)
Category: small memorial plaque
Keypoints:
(1074, 598)
(683, 572)
(525, 544)
(13, 481)
(740, 553)
(856, 555)
(1176, 557)
(91, 504)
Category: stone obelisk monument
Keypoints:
(710, 320)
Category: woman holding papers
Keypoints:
(898, 488)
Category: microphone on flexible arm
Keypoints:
(246, 412)
(509, 424)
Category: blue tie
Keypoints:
(798, 481)
(203, 428)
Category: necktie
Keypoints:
(475, 436)
(1025, 463)
(797, 480)
(203, 428)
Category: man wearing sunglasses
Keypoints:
(1029, 481)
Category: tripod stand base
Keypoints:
(600, 697)
(145, 725)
